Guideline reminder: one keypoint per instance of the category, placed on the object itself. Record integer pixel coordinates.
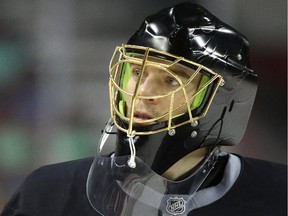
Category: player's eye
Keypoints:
(171, 81)
(136, 72)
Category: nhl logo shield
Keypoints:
(175, 205)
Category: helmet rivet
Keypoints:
(239, 57)
(172, 132)
(222, 83)
(204, 171)
(193, 134)
(194, 124)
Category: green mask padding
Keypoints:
(122, 107)
(125, 75)
(199, 98)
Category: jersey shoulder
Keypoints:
(262, 186)
(52, 189)
(54, 172)
(271, 171)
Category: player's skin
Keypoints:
(156, 81)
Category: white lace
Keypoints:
(131, 161)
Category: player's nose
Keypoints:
(148, 87)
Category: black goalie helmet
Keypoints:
(204, 88)
(182, 82)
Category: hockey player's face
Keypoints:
(155, 81)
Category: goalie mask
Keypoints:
(181, 83)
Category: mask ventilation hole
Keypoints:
(231, 106)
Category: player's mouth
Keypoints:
(141, 116)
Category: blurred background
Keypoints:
(54, 58)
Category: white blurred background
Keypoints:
(54, 59)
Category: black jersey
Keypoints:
(60, 190)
